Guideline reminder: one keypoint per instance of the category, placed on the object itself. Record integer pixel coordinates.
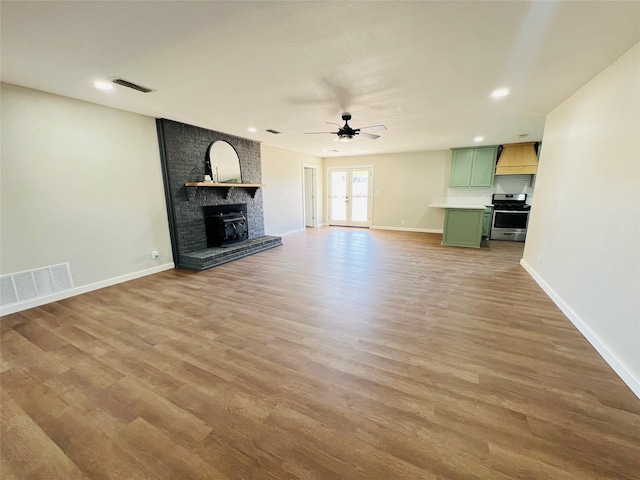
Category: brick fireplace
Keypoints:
(183, 150)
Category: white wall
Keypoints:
(404, 185)
(81, 183)
(501, 184)
(283, 201)
(583, 242)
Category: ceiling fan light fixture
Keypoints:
(346, 133)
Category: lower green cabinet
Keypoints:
(463, 227)
(486, 225)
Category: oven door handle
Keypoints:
(511, 211)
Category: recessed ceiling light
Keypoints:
(102, 85)
(252, 130)
(500, 92)
(478, 139)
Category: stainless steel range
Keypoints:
(510, 217)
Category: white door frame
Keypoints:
(314, 193)
(369, 221)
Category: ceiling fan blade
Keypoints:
(368, 135)
(346, 133)
(373, 128)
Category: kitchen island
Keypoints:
(463, 223)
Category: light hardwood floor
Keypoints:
(344, 354)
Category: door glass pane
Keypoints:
(359, 195)
(339, 196)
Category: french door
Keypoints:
(350, 196)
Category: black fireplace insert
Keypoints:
(226, 224)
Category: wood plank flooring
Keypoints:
(344, 354)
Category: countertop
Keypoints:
(459, 206)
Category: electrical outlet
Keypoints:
(402, 222)
(155, 255)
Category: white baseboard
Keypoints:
(292, 232)
(407, 229)
(619, 367)
(36, 302)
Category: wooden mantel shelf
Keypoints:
(225, 187)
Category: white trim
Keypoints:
(293, 232)
(618, 366)
(407, 229)
(36, 302)
(316, 174)
(364, 165)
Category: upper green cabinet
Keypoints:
(473, 167)
(461, 167)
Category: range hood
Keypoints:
(518, 159)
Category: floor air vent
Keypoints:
(41, 282)
(128, 84)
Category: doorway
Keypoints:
(310, 194)
(350, 196)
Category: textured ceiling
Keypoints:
(424, 69)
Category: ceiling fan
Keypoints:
(346, 133)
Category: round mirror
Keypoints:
(223, 163)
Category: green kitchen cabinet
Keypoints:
(473, 167)
(486, 222)
(461, 167)
(463, 227)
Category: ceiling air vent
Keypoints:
(127, 84)
(275, 132)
